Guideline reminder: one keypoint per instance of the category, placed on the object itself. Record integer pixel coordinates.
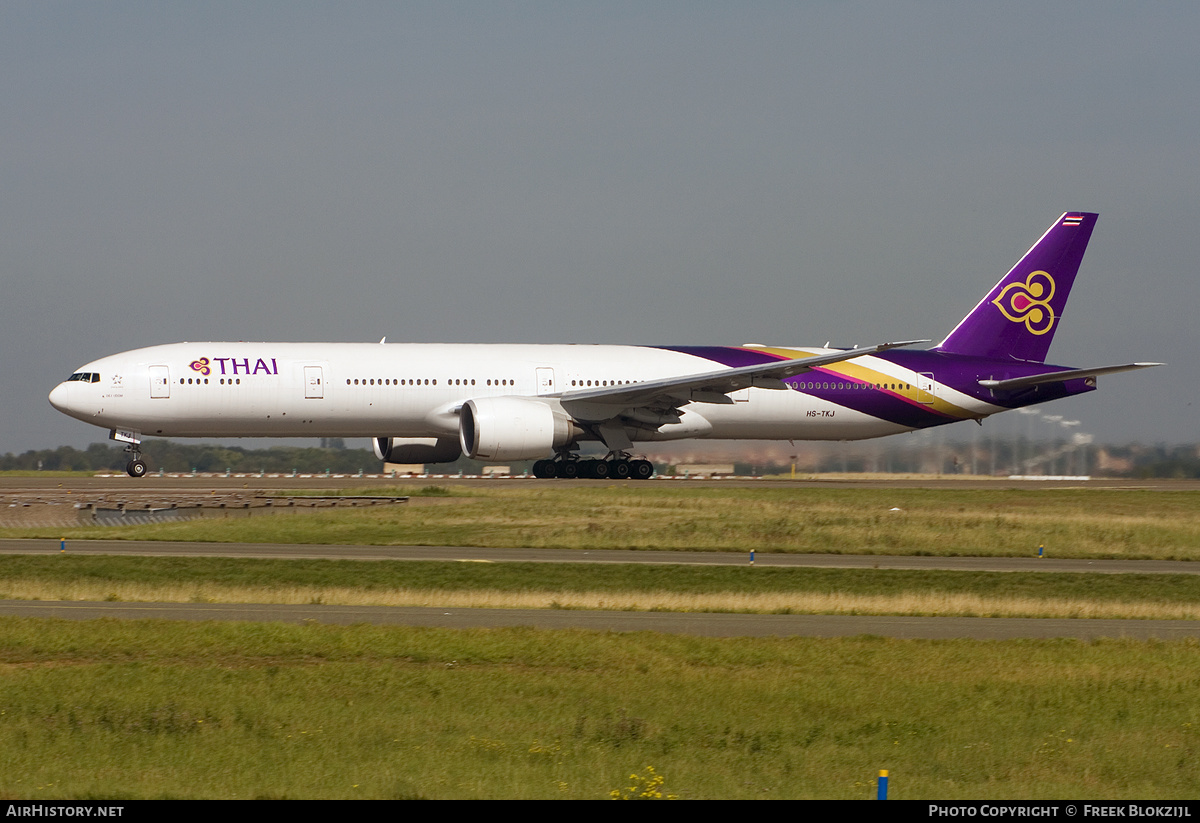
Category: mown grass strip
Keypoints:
(612, 586)
(909, 603)
(158, 709)
(1103, 523)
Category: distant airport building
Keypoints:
(402, 469)
(704, 469)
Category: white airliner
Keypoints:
(432, 403)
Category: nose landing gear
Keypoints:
(136, 467)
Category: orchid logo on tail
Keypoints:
(1029, 302)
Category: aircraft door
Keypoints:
(926, 387)
(545, 381)
(314, 383)
(160, 381)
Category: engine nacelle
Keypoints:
(416, 449)
(512, 428)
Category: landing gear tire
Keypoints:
(136, 468)
(641, 469)
(619, 469)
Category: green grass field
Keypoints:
(108, 709)
(149, 709)
(1002, 522)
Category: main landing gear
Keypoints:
(571, 467)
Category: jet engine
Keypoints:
(512, 428)
(416, 449)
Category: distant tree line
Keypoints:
(177, 457)
(1162, 461)
(951, 458)
(1134, 460)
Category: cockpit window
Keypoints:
(84, 377)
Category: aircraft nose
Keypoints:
(58, 397)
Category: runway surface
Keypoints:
(701, 625)
(468, 554)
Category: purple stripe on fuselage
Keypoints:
(957, 372)
(731, 356)
(962, 373)
(882, 403)
(885, 404)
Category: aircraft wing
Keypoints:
(706, 387)
(1059, 376)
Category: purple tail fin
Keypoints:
(1020, 314)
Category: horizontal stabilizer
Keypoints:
(1059, 376)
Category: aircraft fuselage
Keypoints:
(417, 390)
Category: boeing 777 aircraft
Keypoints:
(431, 403)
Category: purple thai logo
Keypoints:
(234, 365)
(1029, 302)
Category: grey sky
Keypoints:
(783, 173)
